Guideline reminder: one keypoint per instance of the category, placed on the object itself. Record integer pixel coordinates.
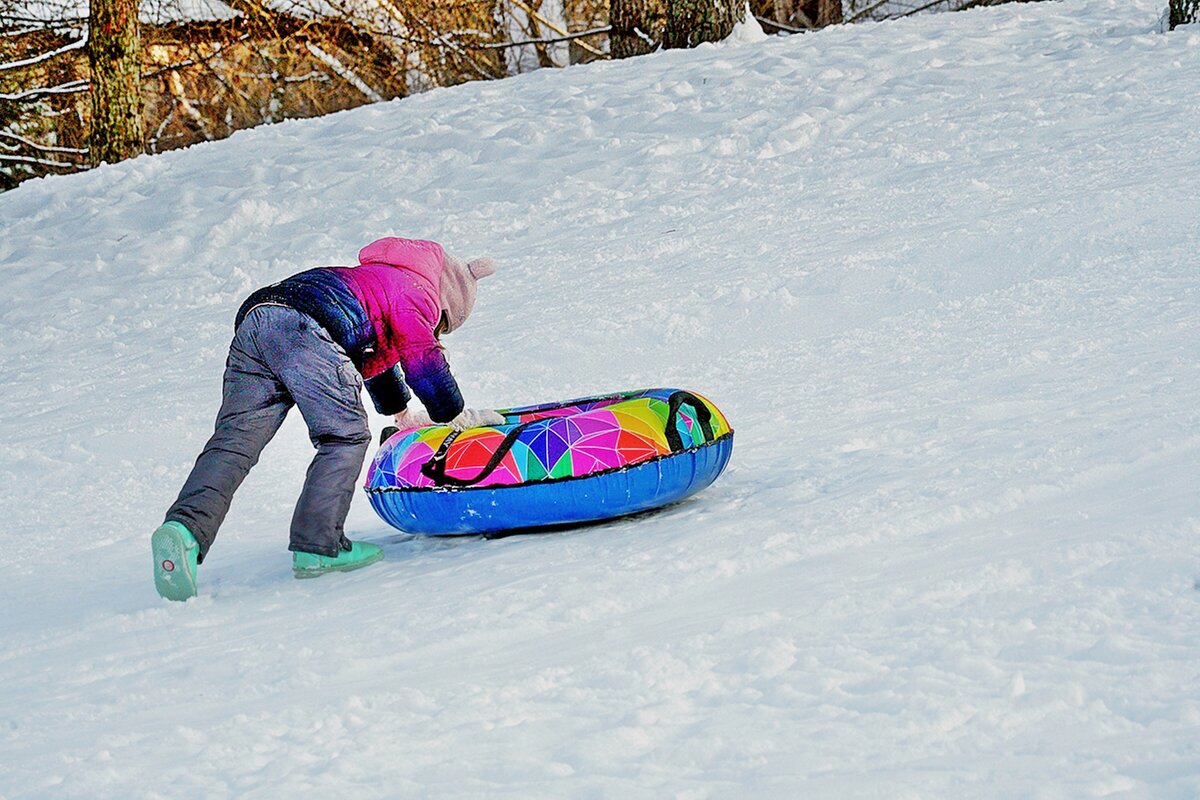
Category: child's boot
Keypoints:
(175, 553)
(312, 565)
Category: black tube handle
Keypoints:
(388, 432)
(435, 468)
(703, 417)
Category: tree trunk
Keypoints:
(637, 26)
(824, 12)
(114, 55)
(1184, 12)
(583, 15)
(801, 14)
(690, 22)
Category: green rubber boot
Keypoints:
(175, 552)
(311, 565)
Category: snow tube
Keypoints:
(555, 464)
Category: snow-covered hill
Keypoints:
(942, 275)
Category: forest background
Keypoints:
(83, 84)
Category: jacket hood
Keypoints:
(421, 257)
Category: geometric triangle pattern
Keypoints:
(573, 439)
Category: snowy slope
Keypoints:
(943, 277)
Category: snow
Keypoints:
(941, 274)
(747, 31)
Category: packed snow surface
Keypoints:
(943, 277)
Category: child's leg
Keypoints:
(327, 390)
(253, 406)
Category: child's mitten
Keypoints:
(473, 418)
(408, 418)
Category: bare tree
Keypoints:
(581, 16)
(823, 12)
(690, 22)
(41, 79)
(1184, 12)
(637, 26)
(798, 15)
(114, 56)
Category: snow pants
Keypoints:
(280, 357)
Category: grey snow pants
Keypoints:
(280, 357)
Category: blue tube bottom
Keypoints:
(455, 512)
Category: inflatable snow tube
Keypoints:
(556, 464)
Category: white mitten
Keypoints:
(473, 418)
(408, 418)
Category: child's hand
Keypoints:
(408, 418)
(472, 418)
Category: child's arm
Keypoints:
(437, 389)
(425, 369)
(388, 391)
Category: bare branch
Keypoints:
(311, 75)
(194, 62)
(68, 24)
(874, 6)
(645, 37)
(444, 39)
(82, 85)
(975, 4)
(534, 14)
(919, 9)
(19, 32)
(42, 147)
(162, 126)
(569, 37)
(344, 72)
(71, 87)
(440, 40)
(782, 27)
(45, 162)
(26, 62)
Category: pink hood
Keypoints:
(422, 258)
(396, 283)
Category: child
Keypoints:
(309, 341)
